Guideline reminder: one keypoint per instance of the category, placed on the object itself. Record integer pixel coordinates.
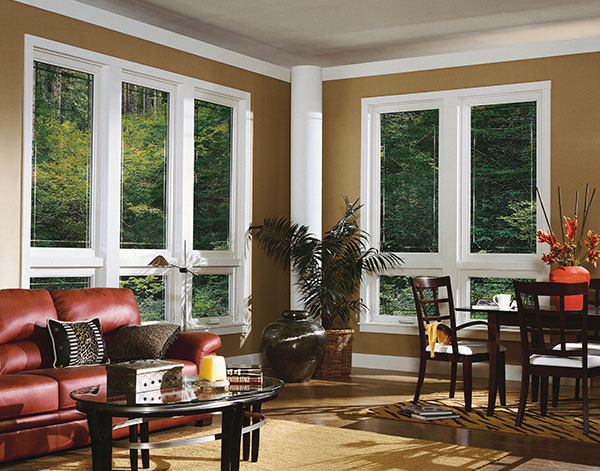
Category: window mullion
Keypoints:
(108, 175)
(181, 202)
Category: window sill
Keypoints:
(220, 330)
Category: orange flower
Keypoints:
(575, 246)
(570, 227)
(549, 238)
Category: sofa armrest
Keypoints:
(192, 346)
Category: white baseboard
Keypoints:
(411, 365)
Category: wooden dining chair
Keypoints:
(434, 303)
(540, 357)
(593, 340)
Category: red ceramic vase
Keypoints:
(570, 275)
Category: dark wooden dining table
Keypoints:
(500, 317)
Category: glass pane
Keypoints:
(486, 288)
(56, 282)
(396, 297)
(212, 175)
(145, 117)
(503, 168)
(62, 157)
(149, 292)
(409, 181)
(210, 297)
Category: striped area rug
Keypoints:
(564, 421)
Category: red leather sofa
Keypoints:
(37, 415)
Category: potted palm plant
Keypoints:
(328, 274)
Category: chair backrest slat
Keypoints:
(424, 286)
(537, 322)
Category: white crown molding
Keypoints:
(122, 24)
(113, 21)
(460, 59)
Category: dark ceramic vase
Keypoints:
(294, 346)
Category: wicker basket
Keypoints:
(337, 362)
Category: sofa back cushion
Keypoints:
(114, 306)
(23, 314)
(24, 341)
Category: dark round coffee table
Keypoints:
(241, 415)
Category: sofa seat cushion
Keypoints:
(25, 394)
(39, 420)
(72, 378)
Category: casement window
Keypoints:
(125, 162)
(448, 183)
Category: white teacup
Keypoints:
(504, 301)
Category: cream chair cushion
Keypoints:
(564, 362)
(593, 347)
(465, 347)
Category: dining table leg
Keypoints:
(494, 348)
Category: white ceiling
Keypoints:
(339, 32)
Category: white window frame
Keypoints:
(454, 257)
(105, 260)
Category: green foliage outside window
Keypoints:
(210, 296)
(486, 288)
(212, 175)
(396, 297)
(409, 181)
(62, 142)
(144, 122)
(503, 178)
(60, 282)
(149, 292)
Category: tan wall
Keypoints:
(270, 150)
(575, 138)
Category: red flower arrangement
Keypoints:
(569, 252)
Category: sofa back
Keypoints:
(24, 343)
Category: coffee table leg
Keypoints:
(145, 437)
(133, 454)
(256, 433)
(226, 423)
(246, 438)
(236, 436)
(100, 427)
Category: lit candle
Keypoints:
(212, 368)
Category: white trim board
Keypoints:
(138, 29)
(461, 59)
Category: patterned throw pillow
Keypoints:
(142, 342)
(77, 343)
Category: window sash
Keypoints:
(454, 258)
(105, 260)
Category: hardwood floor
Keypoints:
(334, 403)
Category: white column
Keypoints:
(306, 154)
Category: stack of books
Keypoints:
(427, 412)
(244, 377)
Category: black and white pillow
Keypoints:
(77, 343)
